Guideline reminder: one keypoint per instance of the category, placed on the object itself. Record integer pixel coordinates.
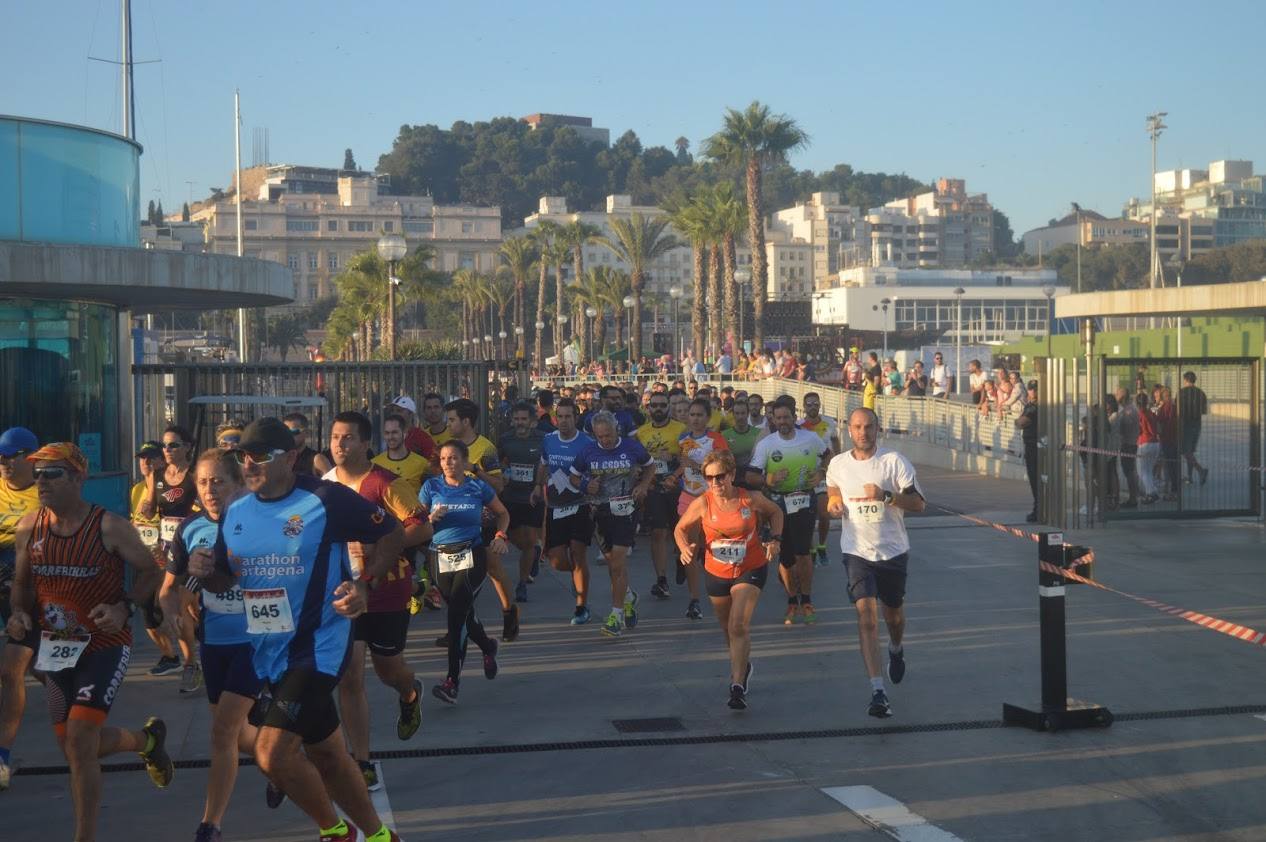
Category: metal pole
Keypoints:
(129, 101)
(391, 310)
(958, 350)
(237, 152)
(1079, 250)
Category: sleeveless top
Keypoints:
(730, 537)
(74, 574)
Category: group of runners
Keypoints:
(266, 571)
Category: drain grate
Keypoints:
(648, 726)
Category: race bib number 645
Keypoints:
(268, 611)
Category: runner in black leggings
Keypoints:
(454, 502)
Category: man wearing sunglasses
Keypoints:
(69, 596)
(285, 544)
(308, 460)
(18, 497)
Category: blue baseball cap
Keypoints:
(17, 440)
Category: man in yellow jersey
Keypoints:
(407, 464)
(660, 436)
(485, 464)
(18, 496)
(435, 422)
(815, 422)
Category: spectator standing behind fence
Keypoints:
(1148, 448)
(976, 379)
(917, 381)
(1193, 405)
(988, 399)
(852, 374)
(940, 377)
(1128, 419)
(1027, 422)
(1167, 430)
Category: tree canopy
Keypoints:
(505, 162)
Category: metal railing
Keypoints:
(163, 390)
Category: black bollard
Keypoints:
(1057, 711)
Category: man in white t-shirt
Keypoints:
(872, 488)
(939, 378)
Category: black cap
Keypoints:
(148, 449)
(264, 434)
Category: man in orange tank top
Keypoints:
(68, 592)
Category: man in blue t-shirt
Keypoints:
(285, 545)
(614, 473)
(613, 402)
(568, 520)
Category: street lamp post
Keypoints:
(392, 248)
(884, 303)
(628, 305)
(1049, 292)
(1077, 216)
(490, 350)
(540, 357)
(591, 313)
(958, 343)
(741, 277)
(676, 292)
(502, 336)
(1155, 125)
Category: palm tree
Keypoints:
(638, 242)
(690, 218)
(544, 235)
(710, 214)
(465, 286)
(731, 221)
(752, 140)
(556, 255)
(501, 286)
(518, 254)
(589, 293)
(615, 286)
(418, 282)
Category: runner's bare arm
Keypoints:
(383, 553)
(21, 593)
(644, 482)
(910, 500)
(149, 501)
(121, 538)
(498, 509)
(169, 602)
(834, 501)
(686, 525)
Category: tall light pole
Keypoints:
(1077, 215)
(501, 334)
(591, 313)
(518, 331)
(628, 305)
(1155, 126)
(676, 292)
(540, 359)
(392, 248)
(958, 343)
(884, 303)
(1049, 292)
(741, 277)
(561, 321)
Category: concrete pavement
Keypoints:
(1183, 761)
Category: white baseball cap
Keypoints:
(405, 402)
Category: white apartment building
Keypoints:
(1202, 209)
(834, 232)
(996, 305)
(314, 220)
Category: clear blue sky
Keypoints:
(1037, 104)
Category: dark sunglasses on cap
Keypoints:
(259, 458)
(49, 473)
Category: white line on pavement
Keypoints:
(1261, 716)
(888, 815)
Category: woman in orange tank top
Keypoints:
(735, 561)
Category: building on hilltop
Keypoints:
(314, 220)
(1201, 209)
(583, 126)
(997, 305)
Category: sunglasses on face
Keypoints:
(243, 456)
(173, 445)
(716, 477)
(658, 405)
(229, 440)
(294, 431)
(49, 473)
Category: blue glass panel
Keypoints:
(78, 187)
(9, 228)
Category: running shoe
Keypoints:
(793, 611)
(520, 592)
(819, 556)
(659, 590)
(349, 834)
(190, 679)
(441, 642)
(581, 616)
(896, 666)
(490, 661)
(157, 762)
(273, 796)
(410, 713)
(206, 833)
(738, 698)
(446, 692)
(630, 608)
(747, 678)
(613, 627)
(807, 615)
(879, 706)
(415, 605)
(433, 600)
(165, 666)
(694, 611)
(536, 564)
(510, 624)
(370, 773)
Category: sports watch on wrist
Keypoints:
(887, 496)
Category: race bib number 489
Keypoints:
(268, 611)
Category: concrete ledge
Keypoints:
(923, 453)
(1246, 298)
(141, 280)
